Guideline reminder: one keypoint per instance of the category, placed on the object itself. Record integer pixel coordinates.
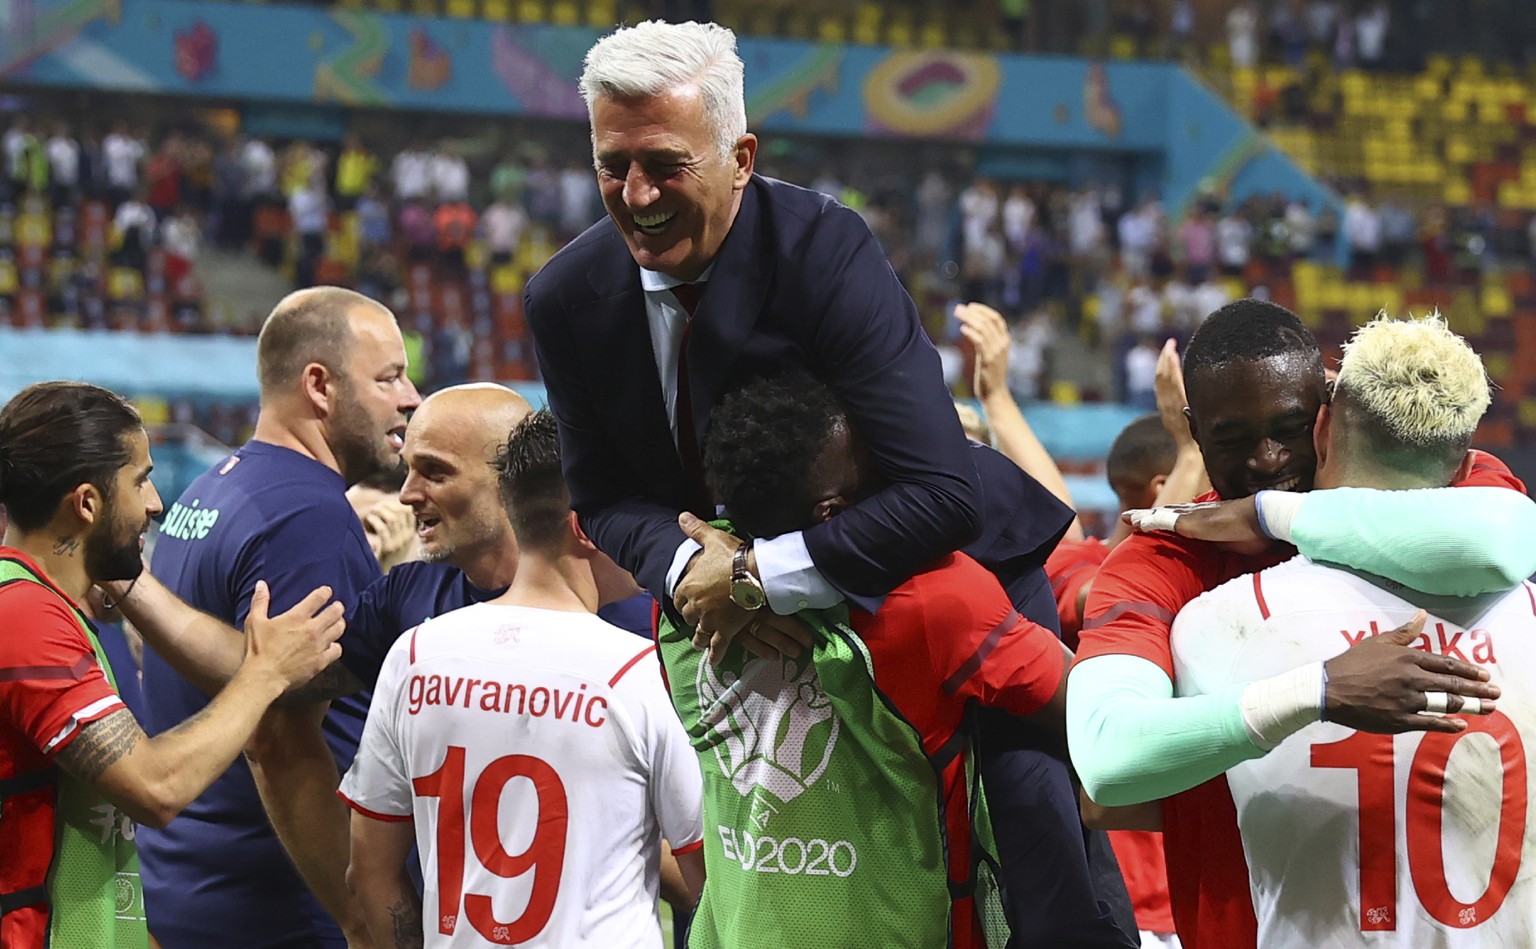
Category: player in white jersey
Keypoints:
(1418, 840)
(535, 748)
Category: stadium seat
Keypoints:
(602, 14)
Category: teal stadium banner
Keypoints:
(1183, 136)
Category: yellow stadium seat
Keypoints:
(153, 410)
(1496, 301)
(602, 14)
(1391, 298)
(564, 13)
(497, 11)
(1527, 413)
(932, 35)
(832, 29)
(531, 11)
(899, 34)
(506, 279)
(1122, 46)
(1065, 392)
(460, 9)
(1457, 191)
(1363, 298)
(424, 7)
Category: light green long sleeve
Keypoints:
(1132, 741)
(1443, 541)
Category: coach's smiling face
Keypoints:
(1253, 421)
(667, 184)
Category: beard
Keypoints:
(361, 452)
(113, 553)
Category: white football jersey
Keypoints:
(1418, 841)
(541, 759)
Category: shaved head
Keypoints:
(479, 415)
(450, 447)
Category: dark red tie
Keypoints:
(687, 439)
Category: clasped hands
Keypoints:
(703, 597)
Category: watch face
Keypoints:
(748, 596)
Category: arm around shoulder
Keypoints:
(1460, 541)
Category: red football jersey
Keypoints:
(1138, 591)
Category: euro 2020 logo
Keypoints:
(772, 725)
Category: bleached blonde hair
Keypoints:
(656, 57)
(1421, 384)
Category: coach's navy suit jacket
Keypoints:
(799, 282)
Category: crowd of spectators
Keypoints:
(1096, 261)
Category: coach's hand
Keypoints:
(1380, 685)
(1232, 523)
(703, 597)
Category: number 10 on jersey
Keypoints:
(545, 855)
(1370, 756)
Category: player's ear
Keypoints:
(1464, 470)
(318, 385)
(1320, 432)
(831, 507)
(581, 535)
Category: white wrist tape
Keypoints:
(1282, 705)
(1149, 520)
(1277, 512)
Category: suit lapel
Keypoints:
(729, 308)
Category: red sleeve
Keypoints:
(50, 682)
(1071, 567)
(1138, 591)
(1489, 472)
(982, 648)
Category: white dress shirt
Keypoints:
(789, 576)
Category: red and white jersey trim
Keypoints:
(98, 709)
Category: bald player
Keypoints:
(468, 555)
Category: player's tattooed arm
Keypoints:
(333, 683)
(100, 745)
(405, 916)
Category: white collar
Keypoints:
(654, 280)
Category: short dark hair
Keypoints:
(306, 326)
(532, 486)
(1143, 450)
(56, 436)
(1249, 330)
(763, 440)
